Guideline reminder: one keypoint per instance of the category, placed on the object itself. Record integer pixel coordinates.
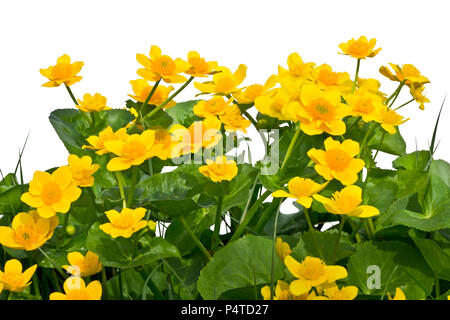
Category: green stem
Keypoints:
(356, 75)
(394, 94)
(71, 94)
(150, 95)
(404, 104)
(55, 265)
(120, 284)
(104, 282)
(364, 141)
(290, 149)
(369, 233)
(313, 232)
(371, 227)
(240, 229)
(274, 241)
(215, 238)
(336, 244)
(266, 215)
(119, 178)
(65, 223)
(255, 124)
(379, 146)
(437, 287)
(353, 124)
(132, 186)
(194, 238)
(162, 105)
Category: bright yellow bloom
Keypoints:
(347, 201)
(273, 105)
(224, 82)
(233, 120)
(98, 142)
(345, 293)
(142, 89)
(282, 292)
(92, 103)
(125, 223)
(337, 161)
(365, 104)
(159, 67)
(63, 72)
(52, 193)
(250, 93)
(198, 65)
(318, 111)
(371, 85)
(301, 189)
(417, 94)
(216, 106)
(75, 289)
(407, 73)
(200, 134)
(360, 49)
(327, 79)
(1, 287)
(312, 272)
(83, 266)
(389, 119)
(282, 249)
(399, 295)
(167, 143)
(28, 231)
(82, 170)
(297, 69)
(133, 151)
(220, 169)
(13, 278)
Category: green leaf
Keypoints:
(412, 161)
(8, 182)
(243, 263)
(398, 264)
(182, 113)
(392, 143)
(73, 128)
(121, 253)
(326, 240)
(437, 258)
(10, 200)
(132, 285)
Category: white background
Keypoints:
(106, 35)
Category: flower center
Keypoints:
(220, 169)
(26, 235)
(346, 203)
(61, 71)
(364, 106)
(134, 149)
(302, 189)
(358, 48)
(125, 221)
(199, 65)
(164, 65)
(321, 109)
(328, 78)
(312, 270)
(51, 193)
(337, 159)
(225, 84)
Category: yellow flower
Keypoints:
(360, 49)
(220, 169)
(250, 93)
(125, 223)
(282, 249)
(133, 151)
(407, 73)
(301, 189)
(233, 120)
(371, 85)
(389, 119)
(417, 94)
(159, 67)
(51, 193)
(75, 289)
(282, 292)
(200, 134)
(224, 82)
(141, 90)
(216, 106)
(198, 66)
(151, 225)
(365, 104)
(13, 278)
(82, 170)
(399, 295)
(327, 79)
(345, 293)
(347, 201)
(29, 231)
(337, 161)
(273, 105)
(297, 69)
(63, 72)
(311, 272)
(167, 143)
(92, 103)
(83, 266)
(98, 142)
(318, 111)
